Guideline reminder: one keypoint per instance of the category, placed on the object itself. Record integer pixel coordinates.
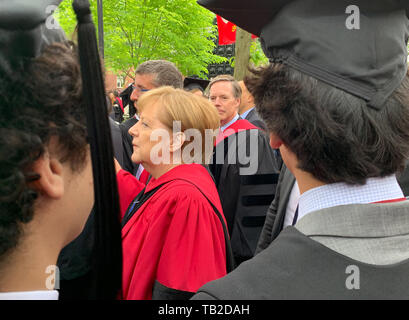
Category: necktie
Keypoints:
(295, 217)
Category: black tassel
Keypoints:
(108, 252)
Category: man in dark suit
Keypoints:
(247, 108)
(247, 111)
(149, 75)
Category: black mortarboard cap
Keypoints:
(190, 83)
(25, 28)
(24, 32)
(318, 38)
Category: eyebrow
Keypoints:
(139, 86)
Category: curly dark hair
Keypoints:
(336, 136)
(41, 101)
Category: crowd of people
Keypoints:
(273, 187)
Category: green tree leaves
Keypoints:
(180, 31)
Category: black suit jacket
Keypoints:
(117, 141)
(403, 179)
(255, 119)
(128, 165)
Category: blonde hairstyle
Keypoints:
(192, 111)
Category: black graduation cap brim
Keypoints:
(25, 15)
(252, 16)
(24, 30)
(312, 37)
(191, 82)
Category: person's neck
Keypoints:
(31, 266)
(306, 181)
(223, 123)
(246, 108)
(159, 170)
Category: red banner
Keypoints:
(227, 31)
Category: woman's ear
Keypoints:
(177, 142)
(51, 182)
(275, 141)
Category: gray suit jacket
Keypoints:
(276, 212)
(298, 266)
(371, 233)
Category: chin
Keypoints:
(135, 159)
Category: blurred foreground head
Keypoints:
(335, 99)
(53, 112)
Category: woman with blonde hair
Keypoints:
(174, 235)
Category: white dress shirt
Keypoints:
(245, 113)
(230, 123)
(292, 205)
(30, 295)
(337, 194)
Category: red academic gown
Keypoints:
(237, 126)
(175, 240)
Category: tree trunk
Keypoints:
(243, 42)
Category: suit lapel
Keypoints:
(284, 193)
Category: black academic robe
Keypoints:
(292, 268)
(275, 216)
(245, 197)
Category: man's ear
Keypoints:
(238, 102)
(51, 182)
(177, 142)
(275, 141)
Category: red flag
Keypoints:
(227, 31)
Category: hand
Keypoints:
(117, 166)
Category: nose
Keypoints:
(215, 101)
(134, 95)
(133, 131)
(218, 101)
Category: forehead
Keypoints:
(144, 80)
(150, 110)
(221, 87)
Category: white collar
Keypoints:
(245, 113)
(230, 123)
(30, 295)
(336, 194)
